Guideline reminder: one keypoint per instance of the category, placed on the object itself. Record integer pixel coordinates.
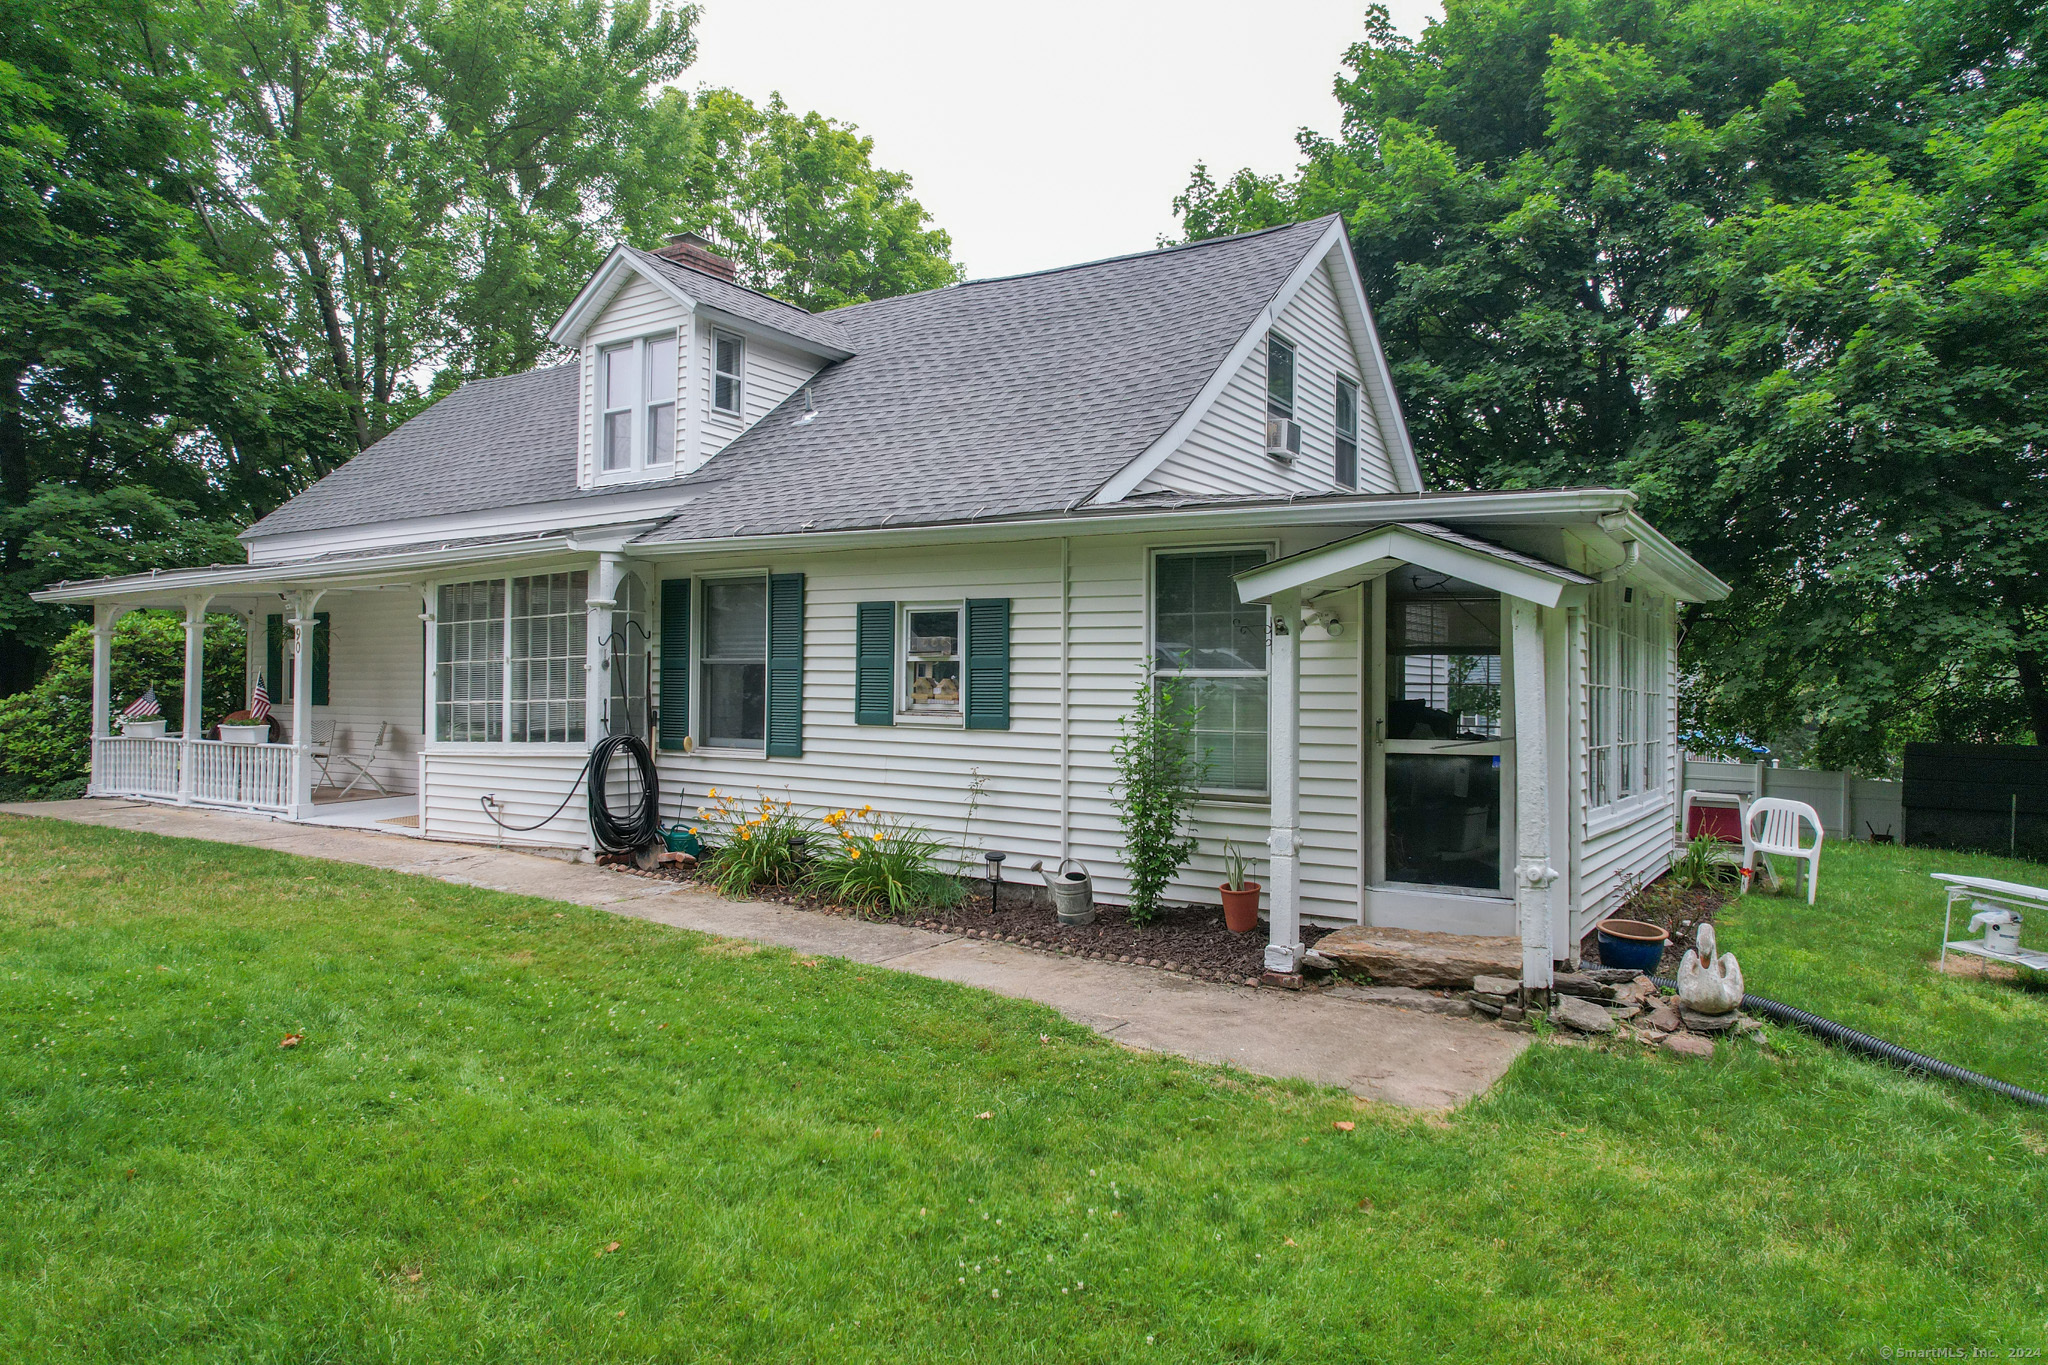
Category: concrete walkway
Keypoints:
(1398, 1056)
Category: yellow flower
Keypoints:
(745, 835)
(876, 836)
(713, 793)
(854, 854)
(693, 829)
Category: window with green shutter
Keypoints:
(675, 663)
(988, 663)
(280, 676)
(874, 663)
(273, 658)
(786, 665)
(323, 653)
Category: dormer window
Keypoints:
(636, 386)
(728, 384)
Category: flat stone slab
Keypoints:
(1414, 1059)
(1575, 1012)
(1425, 961)
(1688, 1045)
(1708, 1023)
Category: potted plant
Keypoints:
(239, 727)
(1240, 897)
(143, 727)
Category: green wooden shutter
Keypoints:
(874, 664)
(323, 651)
(273, 657)
(988, 663)
(786, 665)
(675, 662)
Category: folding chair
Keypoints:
(1772, 826)
(325, 755)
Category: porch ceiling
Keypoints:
(1364, 557)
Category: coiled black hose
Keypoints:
(641, 825)
(1876, 1047)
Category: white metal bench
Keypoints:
(1986, 893)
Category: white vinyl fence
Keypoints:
(1850, 806)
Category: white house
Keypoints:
(876, 555)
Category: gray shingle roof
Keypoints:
(991, 398)
(818, 328)
(999, 396)
(492, 443)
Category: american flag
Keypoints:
(144, 705)
(259, 704)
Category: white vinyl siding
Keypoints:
(1226, 451)
(374, 679)
(636, 312)
(1620, 841)
(773, 373)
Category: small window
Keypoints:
(615, 388)
(735, 665)
(661, 400)
(931, 669)
(1279, 378)
(728, 385)
(1347, 434)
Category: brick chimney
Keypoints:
(687, 248)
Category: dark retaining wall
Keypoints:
(1977, 796)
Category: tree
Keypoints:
(798, 203)
(1627, 243)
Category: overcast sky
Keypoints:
(1044, 134)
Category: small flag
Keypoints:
(259, 704)
(144, 705)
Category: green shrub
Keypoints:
(45, 732)
(871, 861)
(1703, 863)
(1159, 774)
(752, 846)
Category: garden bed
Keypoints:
(1679, 910)
(1191, 939)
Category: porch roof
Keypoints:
(1364, 557)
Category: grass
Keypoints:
(804, 1159)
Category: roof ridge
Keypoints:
(735, 284)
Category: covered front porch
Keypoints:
(1465, 673)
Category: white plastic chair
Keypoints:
(1772, 827)
(324, 755)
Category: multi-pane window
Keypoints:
(616, 391)
(1216, 644)
(509, 659)
(469, 661)
(1279, 378)
(1443, 668)
(931, 667)
(545, 657)
(636, 390)
(728, 380)
(1347, 434)
(735, 664)
(1625, 694)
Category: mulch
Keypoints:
(1679, 910)
(1191, 939)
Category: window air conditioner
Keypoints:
(1283, 438)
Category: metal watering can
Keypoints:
(1073, 893)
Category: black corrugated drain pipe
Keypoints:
(1876, 1047)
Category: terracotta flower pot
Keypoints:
(1241, 908)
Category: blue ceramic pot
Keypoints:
(1631, 943)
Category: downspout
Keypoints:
(1066, 698)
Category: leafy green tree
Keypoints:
(798, 203)
(1772, 265)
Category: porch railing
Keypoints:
(126, 766)
(243, 776)
(248, 776)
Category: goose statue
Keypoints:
(1709, 984)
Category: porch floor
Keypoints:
(1421, 1061)
(390, 814)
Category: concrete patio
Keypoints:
(1377, 1051)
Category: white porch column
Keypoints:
(303, 623)
(195, 689)
(104, 617)
(1533, 872)
(1283, 842)
(597, 676)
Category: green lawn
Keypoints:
(793, 1160)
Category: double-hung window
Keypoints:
(1347, 434)
(1625, 697)
(509, 659)
(735, 663)
(636, 387)
(1280, 390)
(729, 373)
(1211, 649)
